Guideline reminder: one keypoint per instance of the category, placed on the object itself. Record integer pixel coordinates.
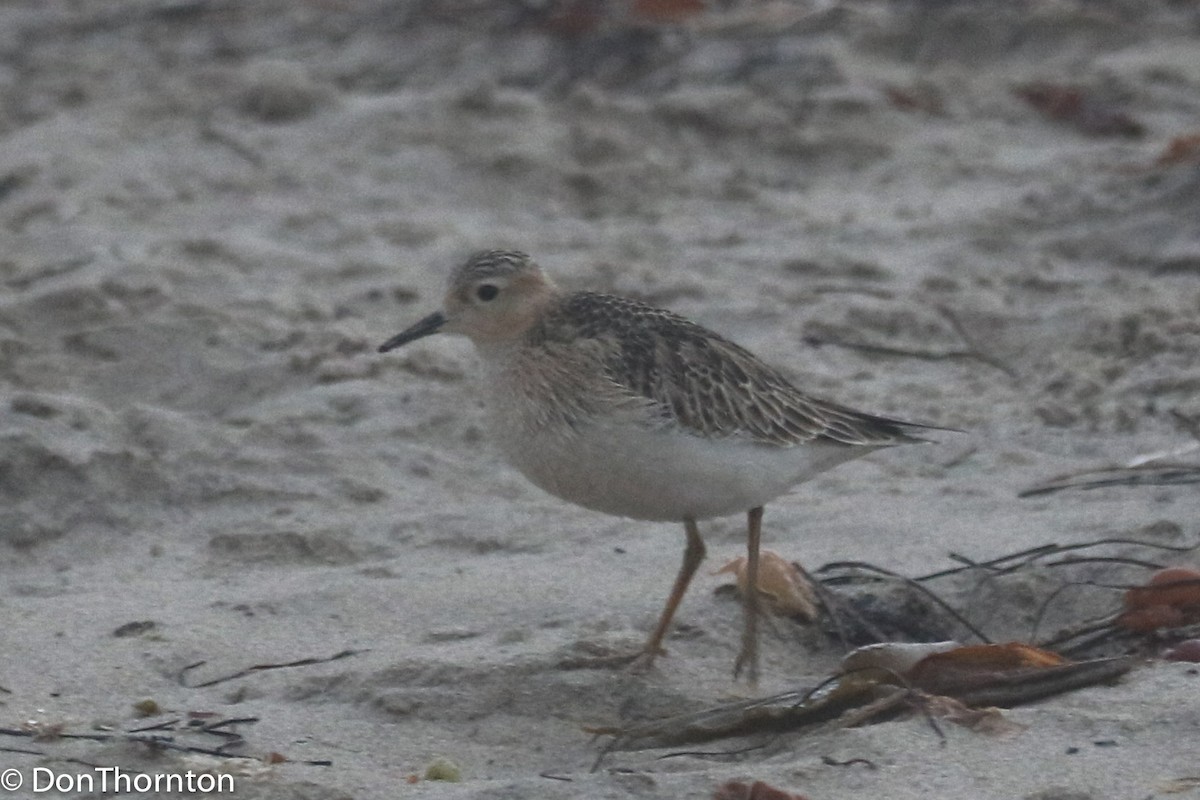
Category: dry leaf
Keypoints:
(990, 721)
(1187, 650)
(736, 790)
(666, 11)
(1180, 150)
(979, 666)
(787, 592)
(1079, 108)
(1170, 599)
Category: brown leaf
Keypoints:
(982, 659)
(1187, 650)
(1170, 599)
(666, 11)
(736, 790)
(1173, 586)
(1181, 149)
(1080, 109)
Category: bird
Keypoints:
(635, 411)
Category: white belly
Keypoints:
(665, 474)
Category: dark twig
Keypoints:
(166, 725)
(1024, 558)
(160, 742)
(850, 762)
(1092, 626)
(835, 607)
(304, 662)
(741, 751)
(550, 776)
(1152, 473)
(969, 564)
(1129, 562)
(22, 751)
(913, 584)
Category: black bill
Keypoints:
(429, 325)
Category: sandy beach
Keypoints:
(219, 503)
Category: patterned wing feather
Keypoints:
(707, 384)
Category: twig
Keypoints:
(1087, 627)
(304, 662)
(549, 776)
(1026, 557)
(1152, 473)
(154, 741)
(969, 564)
(913, 584)
(21, 750)
(741, 751)
(830, 761)
(1129, 562)
(835, 607)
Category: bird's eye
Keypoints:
(487, 291)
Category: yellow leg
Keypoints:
(693, 554)
(748, 657)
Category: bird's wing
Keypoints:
(706, 384)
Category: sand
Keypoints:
(211, 212)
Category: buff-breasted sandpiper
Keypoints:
(635, 411)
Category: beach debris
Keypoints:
(1180, 150)
(303, 662)
(878, 681)
(1079, 108)
(666, 11)
(1172, 473)
(1187, 650)
(443, 769)
(40, 730)
(135, 628)
(897, 657)
(865, 603)
(962, 678)
(920, 97)
(1179, 785)
(736, 790)
(888, 607)
(1170, 599)
(782, 584)
(1159, 468)
(237, 766)
(1005, 675)
(171, 734)
(146, 708)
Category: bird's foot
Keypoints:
(636, 662)
(747, 660)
